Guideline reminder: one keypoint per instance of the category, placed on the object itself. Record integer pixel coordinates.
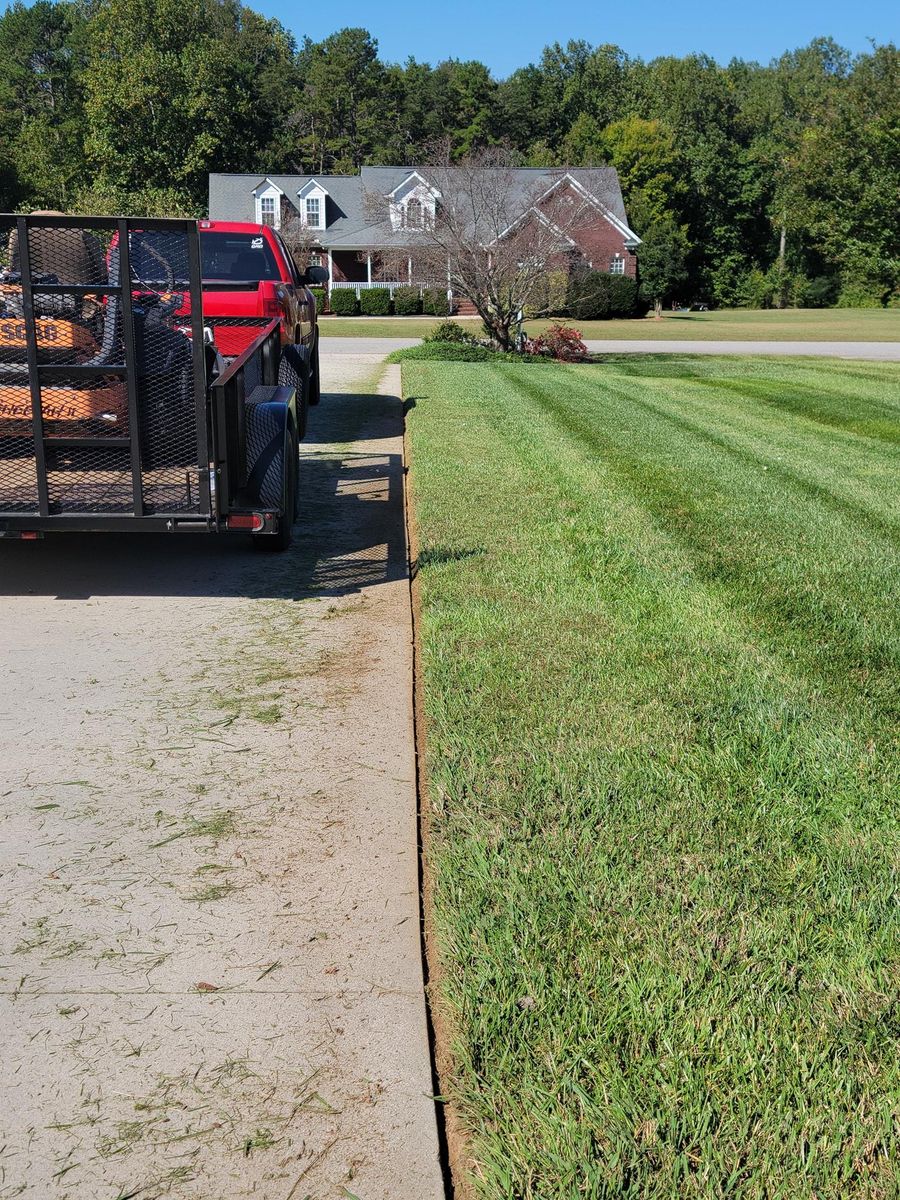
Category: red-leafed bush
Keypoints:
(561, 342)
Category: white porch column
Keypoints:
(369, 269)
(330, 267)
(409, 270)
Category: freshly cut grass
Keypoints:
(738, 324)
(660, 643)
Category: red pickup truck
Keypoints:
(247, 272)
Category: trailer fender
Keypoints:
(295, 370)
(270, 422)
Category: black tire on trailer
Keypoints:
(166, 405)
(280, 541)
(293, 371)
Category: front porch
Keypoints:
(362, 267)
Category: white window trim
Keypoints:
(421, 183)
(399, 209)
(627, 233)
(319, 201)
(268, 190)
(313, 190)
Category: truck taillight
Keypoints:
(273, 302)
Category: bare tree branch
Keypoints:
(300, 238)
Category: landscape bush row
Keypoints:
(587, 296)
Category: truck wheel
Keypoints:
(315, 386)
(281, 540)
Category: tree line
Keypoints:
(754, 184)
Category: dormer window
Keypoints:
(267, 211)
(411, 205)
(267, 198)
(310, 204)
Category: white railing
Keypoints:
(393, 285)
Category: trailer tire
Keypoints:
(293, 372)
(280, 541)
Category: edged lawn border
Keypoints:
(691, 490)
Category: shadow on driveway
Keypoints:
(350, 535)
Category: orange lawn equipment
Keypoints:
(70, 338)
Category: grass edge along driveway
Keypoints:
(659, 642)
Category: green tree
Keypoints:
(41, 108)
(848, 180)
(662, 262)
(644, 155)
(339, 117)
(172, 91)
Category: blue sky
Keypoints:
(508, 35)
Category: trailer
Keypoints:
(117, 410)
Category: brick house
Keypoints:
(338, 208)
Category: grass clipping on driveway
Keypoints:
(660, 652)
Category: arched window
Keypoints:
(414, 214)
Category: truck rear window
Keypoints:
(233, 257)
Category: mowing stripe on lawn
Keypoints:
(661, 694)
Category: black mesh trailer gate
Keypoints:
(116, 411)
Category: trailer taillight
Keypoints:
(252, 522)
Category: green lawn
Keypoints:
(660, 643)
(746, 325)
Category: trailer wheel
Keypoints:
(280, 541)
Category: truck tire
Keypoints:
(315, 387)
(293, 372)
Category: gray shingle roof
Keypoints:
(349, 224)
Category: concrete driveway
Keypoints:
(211, 967)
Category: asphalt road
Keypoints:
(875, 351)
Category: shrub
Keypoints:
(557, 288)
(407, 302)
(550, 296)
(451, 331)
(820, 292)
(561, 342)
(435, 302)
(597, 295)
(321, 298)
(375, 302)
(343, 302)
(755, 290)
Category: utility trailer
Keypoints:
(119, 414)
